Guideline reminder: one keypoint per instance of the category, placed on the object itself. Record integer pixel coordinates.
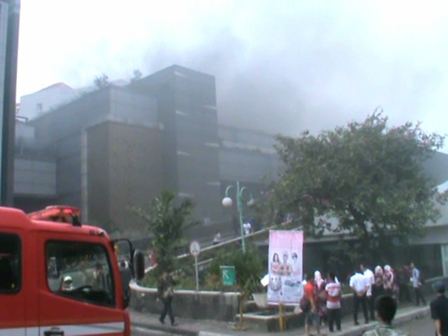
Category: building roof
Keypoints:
(437, 168)
(59, 85)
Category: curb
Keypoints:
(168, 329)
(406, 317)
(357, 330)
(352, 331)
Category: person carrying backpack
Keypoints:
(385, 308)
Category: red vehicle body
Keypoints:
(58, 277)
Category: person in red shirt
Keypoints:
(333, 290)
(311, 316)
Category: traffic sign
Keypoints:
(195, 248)
(228, 275)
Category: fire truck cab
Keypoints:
(61, 278)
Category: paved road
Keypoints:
(419, 327)
(423, 326)
(145, 332)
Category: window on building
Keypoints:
(80, 271)
(10, 261)
(39, 107)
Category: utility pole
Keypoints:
(8, 115)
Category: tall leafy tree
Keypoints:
(365, 180)
(167, 223)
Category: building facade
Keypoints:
(40, 102)
(187, 109)
(118, 147)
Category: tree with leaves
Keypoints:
(167, 224)
(101, 81)
(364, 180)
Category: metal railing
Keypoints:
(205, 263)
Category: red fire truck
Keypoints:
(59, 277)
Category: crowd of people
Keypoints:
(322, 296)
(377, 293)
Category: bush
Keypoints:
(248, 269)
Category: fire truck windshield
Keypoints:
(80, 271)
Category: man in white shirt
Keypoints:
(370, 295)
(417, 284)
(358, 282)
(333, 290)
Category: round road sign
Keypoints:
(195, 248)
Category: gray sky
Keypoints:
(285, 68)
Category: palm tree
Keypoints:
(167, 224)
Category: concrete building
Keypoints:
(187, 109)
(34, 170)
(247, 156)
(50, 98)
(121, 146)
(106, 148)
(42, 101)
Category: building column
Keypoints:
(84, 180)
(8, 115)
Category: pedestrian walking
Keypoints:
(403, 276)
(385, 307)
(321, 296)
(358, 283)
(370, 278)
(165, 293)
(417, 284)
(126, 277)
(152, 259)
(333, 290)
(439, 310)
(217, 238)
(311, 316)
(247, 228)
(389, 281)
(378, 289)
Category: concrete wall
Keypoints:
(187, 107)
(124, 168)
(189, 304)
(34, 177)
(136, 170)
(220, 306)
(98, 175)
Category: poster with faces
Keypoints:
(285, 267)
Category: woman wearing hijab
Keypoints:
(321, 295)
(389, 282)
(378, 287)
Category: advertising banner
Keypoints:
(285, 267)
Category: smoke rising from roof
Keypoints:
(281, 69)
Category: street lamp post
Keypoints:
(228, 202)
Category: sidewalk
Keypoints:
(190, 327)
